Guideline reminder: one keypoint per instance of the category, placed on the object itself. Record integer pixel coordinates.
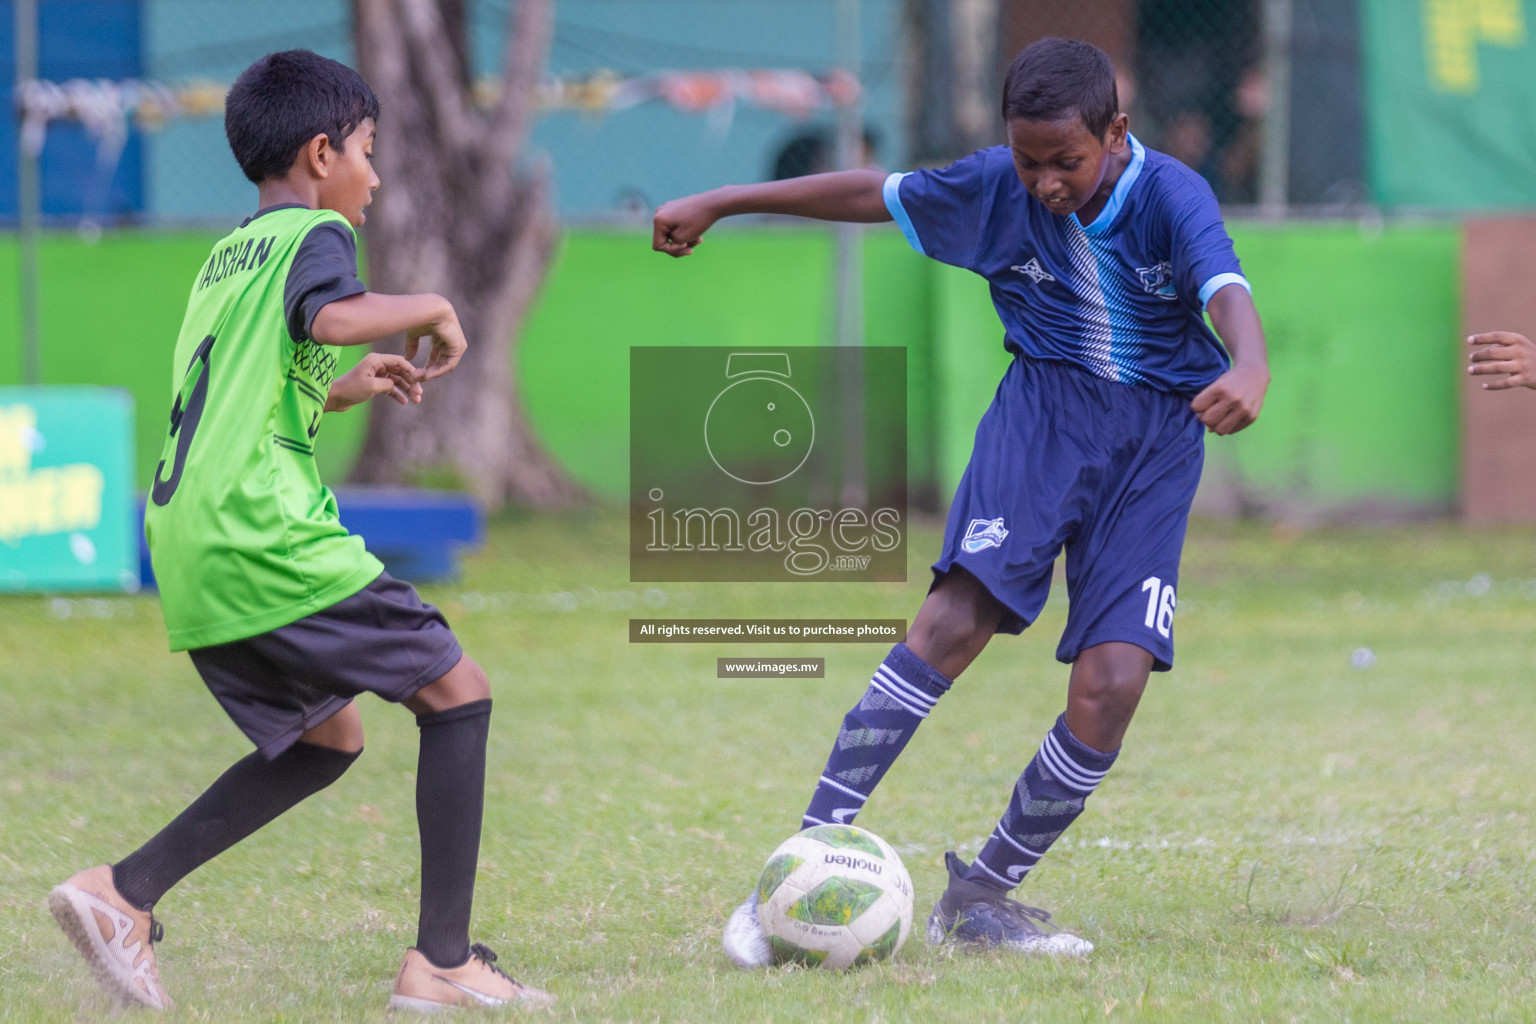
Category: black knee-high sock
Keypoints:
(450, 799)
(247, 796)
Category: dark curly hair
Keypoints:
(287, 98)
(1053, 79)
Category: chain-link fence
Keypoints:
(663, 107)
(117, 150)
(1262, 97)
(1198, 86)
(1204, 80)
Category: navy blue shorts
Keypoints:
(277, 685)
(1064, 458)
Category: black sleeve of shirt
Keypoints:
(323, 270)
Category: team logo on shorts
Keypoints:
(983, 534)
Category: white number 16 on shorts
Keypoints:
(1160, 605)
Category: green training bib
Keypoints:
(243, 536)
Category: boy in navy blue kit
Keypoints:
(1102, 257)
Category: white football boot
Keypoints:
(427, 988)
(745, 944)
(116, 938)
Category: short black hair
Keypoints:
(1053, 79)
(287, 98)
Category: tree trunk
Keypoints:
(459, 214)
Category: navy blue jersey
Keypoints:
(1122, 298)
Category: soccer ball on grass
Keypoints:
(834, 896)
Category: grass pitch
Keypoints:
(1286, 836)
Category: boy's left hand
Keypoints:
(1233, 400)
(379, 373)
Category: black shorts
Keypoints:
(275, 686)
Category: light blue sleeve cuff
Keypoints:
(891, 193)
(1212, 286)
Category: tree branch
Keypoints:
(530, 245)
(379, 52)
(522, 64)
(428, 37)
(456, 23)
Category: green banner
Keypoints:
(66, 490)
(1452, 99)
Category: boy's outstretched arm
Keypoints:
(1233, 400)
(1513, 355)
(362, 319)
(841, 195)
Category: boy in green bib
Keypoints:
(286, 616)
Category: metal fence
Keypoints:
(620, 160)
(1263, 97)
(1217, 83)
(1201, 87)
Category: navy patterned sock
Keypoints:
(904, 689)
(1049, 797)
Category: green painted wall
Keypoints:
(744, 287)
(1363, 329)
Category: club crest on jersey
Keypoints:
(983, 534)
(1033, 270)
(1158, 280)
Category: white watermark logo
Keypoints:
(759, 430)
(758, 465)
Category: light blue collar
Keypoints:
(1106, 218)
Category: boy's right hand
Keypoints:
(447, 343)
(1503, 352)
(679, 225)
(377, 373)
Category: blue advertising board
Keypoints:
(76, 39)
